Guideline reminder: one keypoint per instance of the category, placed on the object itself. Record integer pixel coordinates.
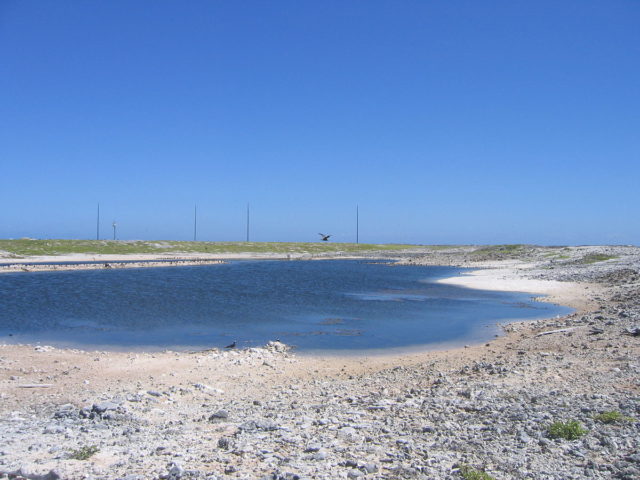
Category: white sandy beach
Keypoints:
(510, 279)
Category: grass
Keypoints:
(556, 256)
(612, 417)
(83, 453)
(596, 257)
(440, 247)
(28, 247)
(469, 473)
(570, 430)
(499, 249)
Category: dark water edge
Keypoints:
(332, 306)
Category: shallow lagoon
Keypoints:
(314, 305)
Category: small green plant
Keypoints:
(612, 417)
(570, 430)
(469, 473)
(83, 453)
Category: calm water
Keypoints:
(311, 304)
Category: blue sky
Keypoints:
(446, 122)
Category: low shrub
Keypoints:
(469, 473)
(570, 430)
(612, 417)
(83, 453)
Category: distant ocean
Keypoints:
(314, 305)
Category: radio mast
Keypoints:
(357, 225)
(247, 222)
(195, 221)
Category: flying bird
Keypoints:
(325, 238)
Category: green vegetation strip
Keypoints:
(499, 249)
(28, 247)
(596, 257)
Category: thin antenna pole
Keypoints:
(247, 222)
(357, 224)
(195, 221)
(98, 223)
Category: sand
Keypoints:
(510, 279)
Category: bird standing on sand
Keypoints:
(325, 238)
(233, 345)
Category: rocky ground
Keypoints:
(48, 267)
(270, 414)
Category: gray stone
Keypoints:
(370, 468)
(312, 447)
(53, 428)
(104, 406)
(66, 411)
(176, 471)
(320, 455)
(219, 416)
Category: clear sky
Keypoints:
(446, 122)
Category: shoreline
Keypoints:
(269, 413)
(104, 265)
(146, 257)
(99, 262)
